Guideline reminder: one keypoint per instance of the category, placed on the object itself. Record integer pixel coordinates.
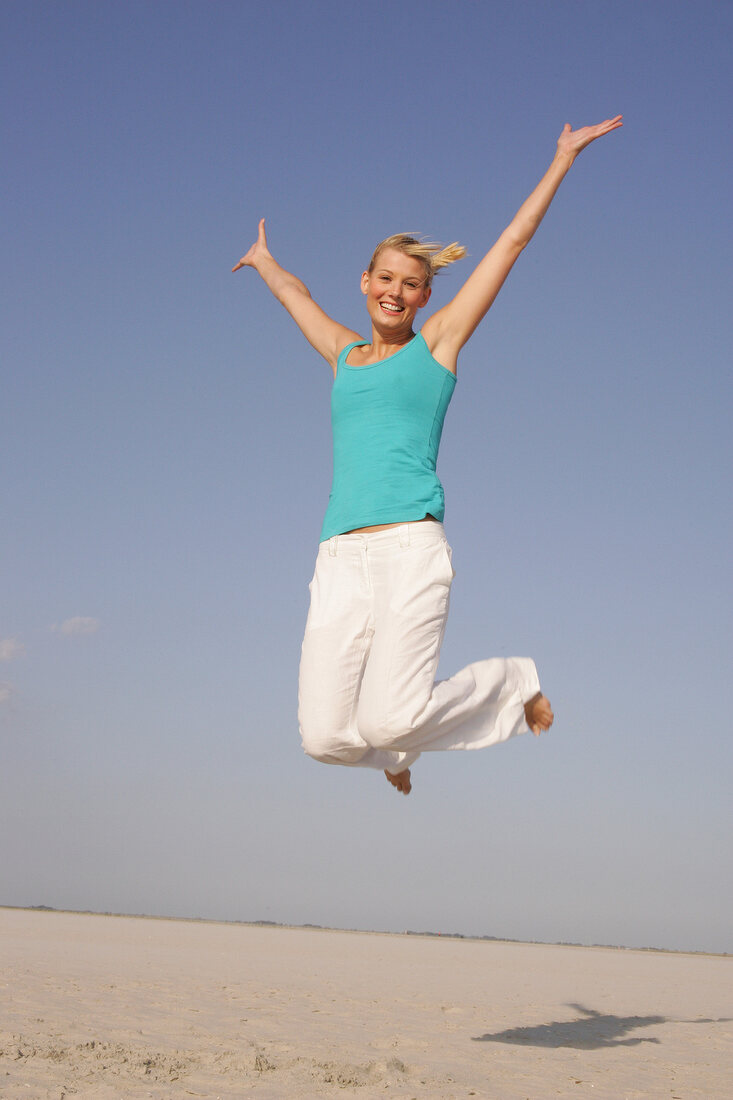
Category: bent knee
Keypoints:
(383, 733)
(330, 747)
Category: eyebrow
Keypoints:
(389, 271)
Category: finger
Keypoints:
(240, 264)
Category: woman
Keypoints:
(379, 596)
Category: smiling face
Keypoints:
(395, 290)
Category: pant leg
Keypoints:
(401, 705)
(335, 652)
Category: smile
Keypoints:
(388, 307)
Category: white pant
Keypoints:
(368, 694)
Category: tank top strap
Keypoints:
(343, 355)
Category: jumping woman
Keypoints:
(368, 695)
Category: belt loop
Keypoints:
(333, 543)
(404, 531)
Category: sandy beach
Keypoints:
(105, 1006)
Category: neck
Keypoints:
(384, 344)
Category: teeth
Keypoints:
(390, 308)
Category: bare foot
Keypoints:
(538, 713)
(401, 781)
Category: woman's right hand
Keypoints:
(320, 330)
(257, 251)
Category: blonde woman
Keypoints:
(368, 695)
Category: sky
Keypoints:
(166, 459)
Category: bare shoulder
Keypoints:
(344, 337)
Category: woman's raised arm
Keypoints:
(448, 330)
(327, 336)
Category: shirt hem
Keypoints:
(407, 516)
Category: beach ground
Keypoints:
(107, 1007)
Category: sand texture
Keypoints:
(122, 1007)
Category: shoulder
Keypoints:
(343, 339)
(355, 341)
(347, 339)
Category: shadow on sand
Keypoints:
(592, 1031)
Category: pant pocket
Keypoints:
(448, 550)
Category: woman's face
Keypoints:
(395, 290)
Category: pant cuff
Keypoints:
(404, 761)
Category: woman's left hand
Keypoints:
(571, 141)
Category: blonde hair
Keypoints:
(432, 255)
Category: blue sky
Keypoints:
(165, 436)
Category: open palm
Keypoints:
(572, 141)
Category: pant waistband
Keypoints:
(406, 534)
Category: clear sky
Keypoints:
(166, 459)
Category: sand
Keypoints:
(125, 1007)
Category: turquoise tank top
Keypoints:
(387, 420)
